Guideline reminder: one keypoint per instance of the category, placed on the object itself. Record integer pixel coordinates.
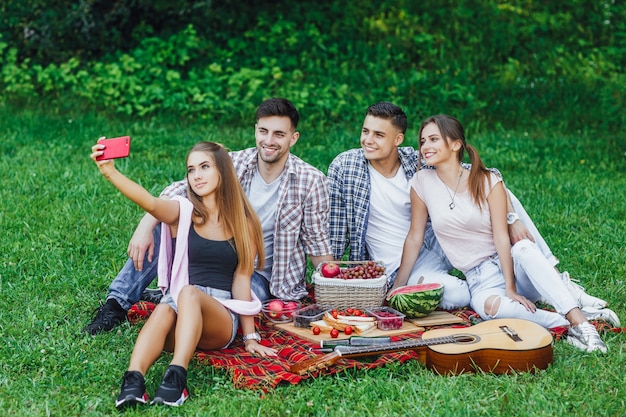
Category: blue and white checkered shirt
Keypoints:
(350, 188)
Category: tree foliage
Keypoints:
(57, 30)
(486, 61)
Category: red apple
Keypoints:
(290, 308)
(275, 309)
(330, 270)
(291, 305)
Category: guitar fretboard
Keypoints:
(392, 346)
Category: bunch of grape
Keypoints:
(367, 270)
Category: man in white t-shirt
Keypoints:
(370, 209)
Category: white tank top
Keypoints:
(464, 233)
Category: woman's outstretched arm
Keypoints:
(164, 210)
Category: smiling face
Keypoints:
(380, 139)
(275, 135)
(434, 148)
(202, 173)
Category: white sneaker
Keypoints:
(578, 292)
(605, 314)
(584, 336)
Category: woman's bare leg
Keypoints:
(151, 339)
(203, 322)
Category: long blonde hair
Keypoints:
(235, 210)
(452, 130)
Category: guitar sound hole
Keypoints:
(466, 339)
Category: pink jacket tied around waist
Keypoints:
(174, 273)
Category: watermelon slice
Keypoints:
(416, 300)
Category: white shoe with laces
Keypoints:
(578, 292)
(584, 336)
(605, 314)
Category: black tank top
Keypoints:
(212, 263)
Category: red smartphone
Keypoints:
(115, 148)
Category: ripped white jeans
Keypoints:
(534, 277)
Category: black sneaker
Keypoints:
(152, 296)
(108, 315)
(133, 391)
(173, 389)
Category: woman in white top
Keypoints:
(467, 208)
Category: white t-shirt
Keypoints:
(464, 233)
(264, 200)
(389, 217)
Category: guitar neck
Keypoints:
(348, 350)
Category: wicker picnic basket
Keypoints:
(345, 293)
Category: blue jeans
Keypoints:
(129, 283)
(260, 286)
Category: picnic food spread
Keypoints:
(357, 321)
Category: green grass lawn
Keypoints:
(64, 232)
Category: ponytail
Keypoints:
(478, 173)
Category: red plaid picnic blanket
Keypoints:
(253, 372)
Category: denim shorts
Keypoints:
(215, 293)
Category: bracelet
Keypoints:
(252, 336)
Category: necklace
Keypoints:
(452, 205)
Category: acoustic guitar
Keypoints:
(497, 346)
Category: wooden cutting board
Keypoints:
(436, 318)
(307, 334)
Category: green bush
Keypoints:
(511, 63)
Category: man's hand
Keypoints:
(519, 231)
(142, 242)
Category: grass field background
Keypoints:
(65, 231)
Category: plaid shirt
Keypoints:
(350, 188)
(301, 219)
